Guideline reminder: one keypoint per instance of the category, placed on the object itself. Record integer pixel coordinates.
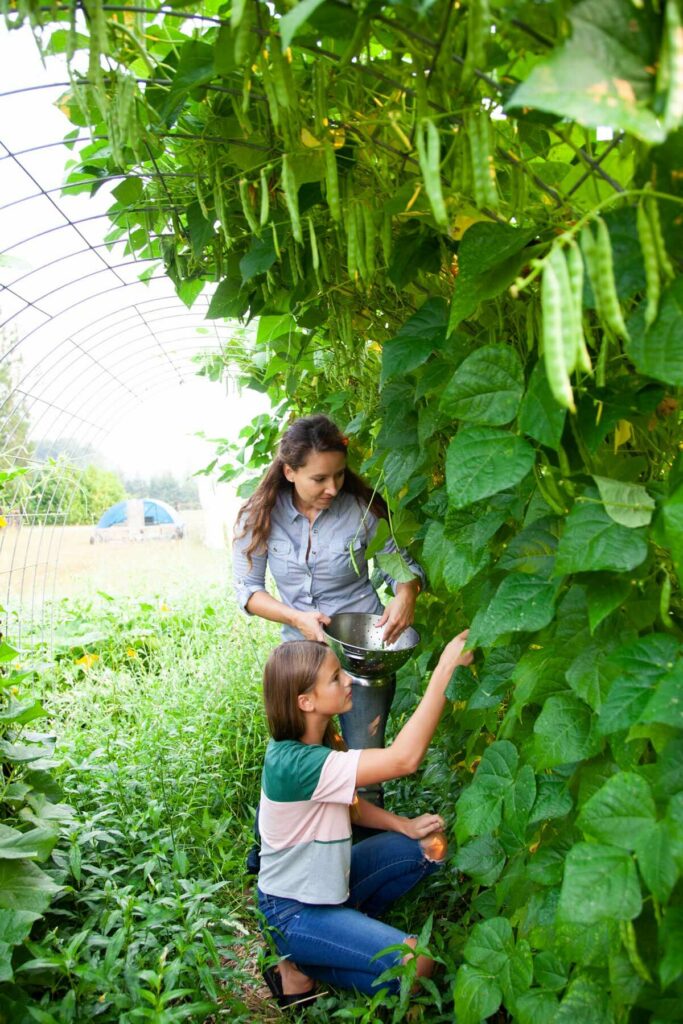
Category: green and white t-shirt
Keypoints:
(304, 821)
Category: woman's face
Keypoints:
(331, 694)
(318, 481)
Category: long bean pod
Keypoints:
(553, 340)
(575, 271)
(291, 192)
(648, 249)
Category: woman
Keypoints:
(305, 517)
(320, 896)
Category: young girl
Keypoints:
(320, 897)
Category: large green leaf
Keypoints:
(627, 504)
(599, 882)
(639, 666)
(536, 1007)
(602, 75)
(666, 703)
(490, 944)
(539, 414)
(479, 808)
(23, 886)
(592, 541)
(552, 801)
(563, 732)
(425, 332)
(482, 461)
(35, 844)
(604, 595)
(521, 603)
(486, 388)
(669, 528)
(656, 861)
(259, 258)
(489, 259)
(294, 19)
(657, 351)
(477, 994)
(532, 550)
(622, 811)
(586, 1001)
(483, 858)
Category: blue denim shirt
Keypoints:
(327, 581)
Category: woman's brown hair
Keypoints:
(291, 670)
(304, 436)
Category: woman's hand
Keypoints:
(423, 825)
(399, 613)
(311, 624)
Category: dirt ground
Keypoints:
(41, 564)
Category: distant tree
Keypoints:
(63, 493)
(180, 493)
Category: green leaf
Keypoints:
(599, 882)
(550, 971)
(669, 527)
(200, 229)
(656, 861)
(23, 886)
(666, 703)
(490, 944)
(536, 1007)
(482, 858)
(35, 844)
(486, 388)
(602, 75)
(604, 595)
(586, 1001)
(657, 351)
(294, 19)
(521, 603)
(639, 664)
(449, 563)
(188, 291)
(592, 541)
(552, 801)
(671, 939)
(519, 801)
(517, 974)
(479, 807)
(227, 300)
(395, 565)
(425, 332)
(477, 995)
(482, 461)
(563, 732)
(489, 260)
(539, 414)
(22, 712)
(628, 504)
(533, 549)
(259, 258)
(621, 812)
(7, 652)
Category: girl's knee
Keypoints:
(435, 847)
(425, 964)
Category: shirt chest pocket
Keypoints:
(346, 557)
(280, 555)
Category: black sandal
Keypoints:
(273, 980)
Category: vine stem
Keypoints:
(523, 282)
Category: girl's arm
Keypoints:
(369, 816)
(405, 754)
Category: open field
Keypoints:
(43, 564)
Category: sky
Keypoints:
(103, 358)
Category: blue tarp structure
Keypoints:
(156, 512)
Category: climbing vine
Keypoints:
(458, 227)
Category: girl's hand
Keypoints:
(453, 654)
(423, 825)
(311, 624)
(398, 615)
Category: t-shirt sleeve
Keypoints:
(337, 781)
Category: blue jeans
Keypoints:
(338, 944)
(370, 703)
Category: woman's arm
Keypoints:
(405, 754)
(261, 603)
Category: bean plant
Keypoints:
(458, 229)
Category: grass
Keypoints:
(161, 735)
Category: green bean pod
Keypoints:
(291, 192)
(607, 287)
(553, 340)
(265, 198)
(370, 234)
(386, 238)
(429, 156)
(673, 33)
(319, 74)
(665, 264)
(332, 183)
(269, 89)
(247, 208)
(315, 256)
(575, 271)
(351, 244)
(281, 74)
(244, 40)
(648, 249)
(558, 263)
(357, 214)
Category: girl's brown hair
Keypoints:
(291, 670)
(307, 435)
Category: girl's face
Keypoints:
(318, 481)
(331, 693)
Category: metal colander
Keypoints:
(356, 639)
